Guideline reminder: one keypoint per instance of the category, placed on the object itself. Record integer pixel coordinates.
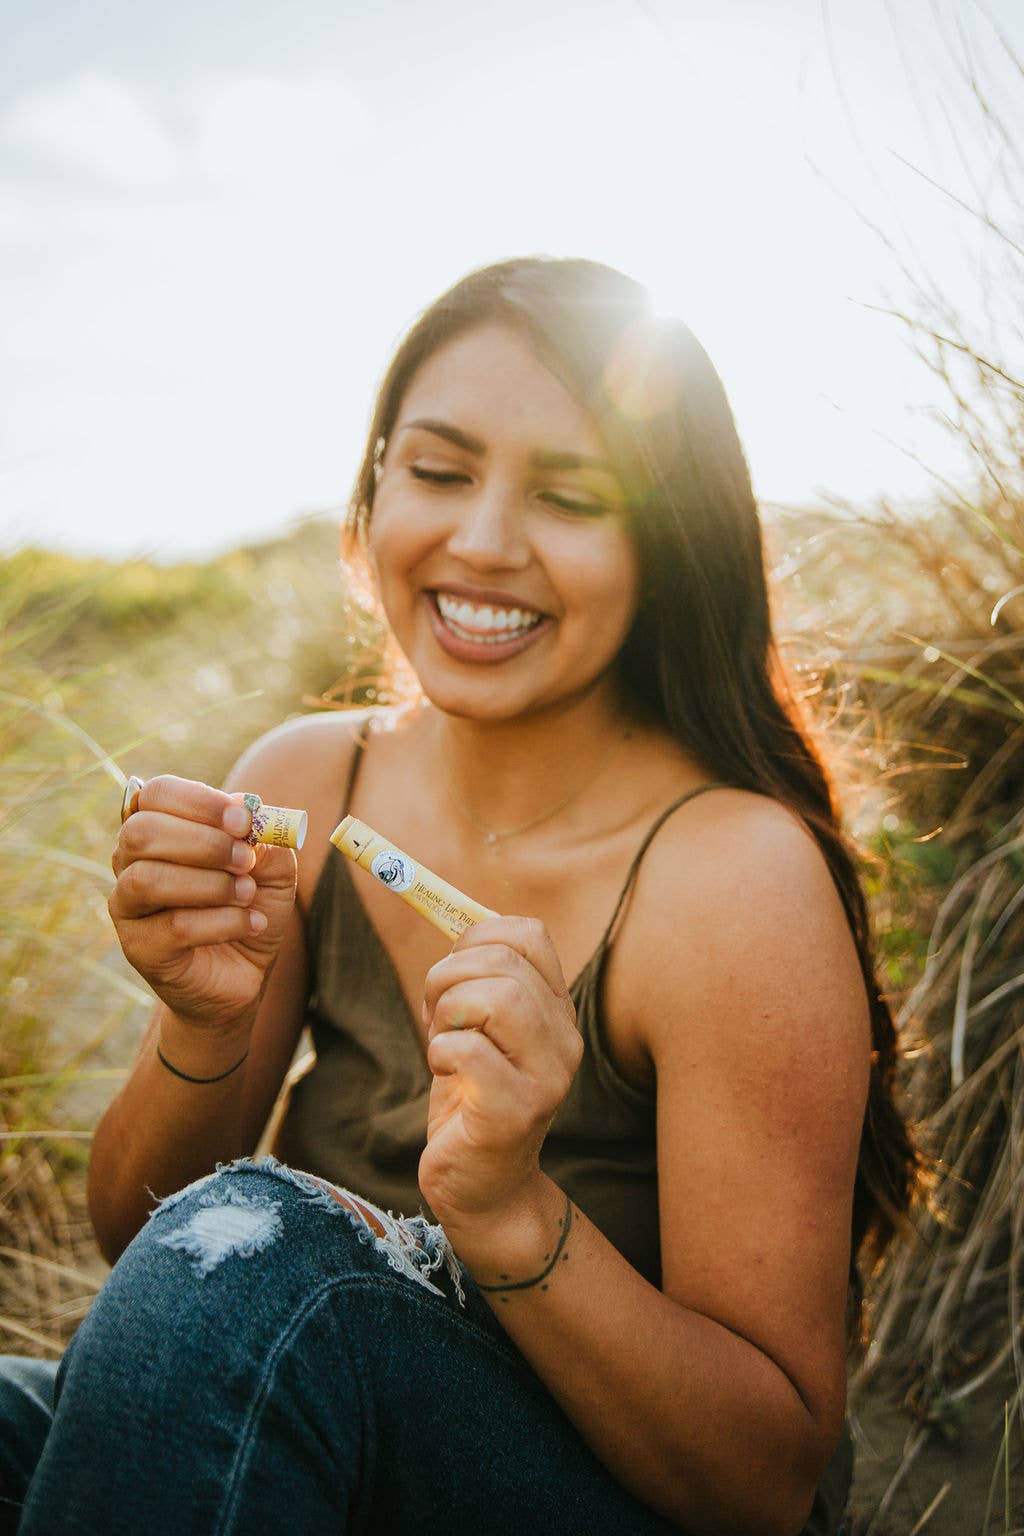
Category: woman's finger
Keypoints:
(147, 886)
(171, 839)
(501, 1112)
(499, 1008)
(194, 801)
(528, 937)
(482, 960)
(159, 941)
(492, 987)
(492, 1080)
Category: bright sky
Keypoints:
(216, 220)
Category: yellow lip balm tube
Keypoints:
(429, 895)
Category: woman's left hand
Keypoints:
(503, 1048)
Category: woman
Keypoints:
(655, 1181)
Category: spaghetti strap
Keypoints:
(353, 769)
(652, 832)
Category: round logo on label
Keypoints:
(394, 869)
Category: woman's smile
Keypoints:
(483, 631)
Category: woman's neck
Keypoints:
(505, 776)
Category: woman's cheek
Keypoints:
(399, 540)
(388, 562)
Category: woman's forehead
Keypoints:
(491, 383)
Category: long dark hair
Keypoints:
(700, 660)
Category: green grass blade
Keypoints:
(927, 685)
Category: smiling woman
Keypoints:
(637, 1206)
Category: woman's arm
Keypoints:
(224, 993)
(160, 1132)
(719, 1399)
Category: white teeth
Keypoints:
(485, 624)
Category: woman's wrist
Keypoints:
(519, 1246)
(199, 1052)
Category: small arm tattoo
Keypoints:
(539, 1279)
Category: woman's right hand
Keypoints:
(199, 913)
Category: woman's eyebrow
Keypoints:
(541, 458)
(450, 433)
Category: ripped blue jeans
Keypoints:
(259, 1361)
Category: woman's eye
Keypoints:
(578, 508)
(436, 476)
(565, 504)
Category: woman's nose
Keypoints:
(490, 529)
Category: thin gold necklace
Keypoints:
(494, 838)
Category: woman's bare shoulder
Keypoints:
(735, 892)
(306, 763)
(302, 756)
(726, 838)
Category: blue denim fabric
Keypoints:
(258, 1363)
(26, 1412)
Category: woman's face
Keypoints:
(498, 533)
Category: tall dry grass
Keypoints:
(929, 678)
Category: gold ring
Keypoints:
(130, 798)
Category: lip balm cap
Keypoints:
(351, 836)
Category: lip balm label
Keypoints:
(393, 869)
(433, 898)
(277, 825)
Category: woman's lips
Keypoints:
(487, 650)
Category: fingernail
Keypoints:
(242, 856)
(257, 922)
(245, 888)
(236, 820)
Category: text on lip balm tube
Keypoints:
(433, 898)
(279, 826)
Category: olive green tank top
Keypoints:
(359, 1116)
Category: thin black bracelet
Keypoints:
(187, 1079)
(525, 1285)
